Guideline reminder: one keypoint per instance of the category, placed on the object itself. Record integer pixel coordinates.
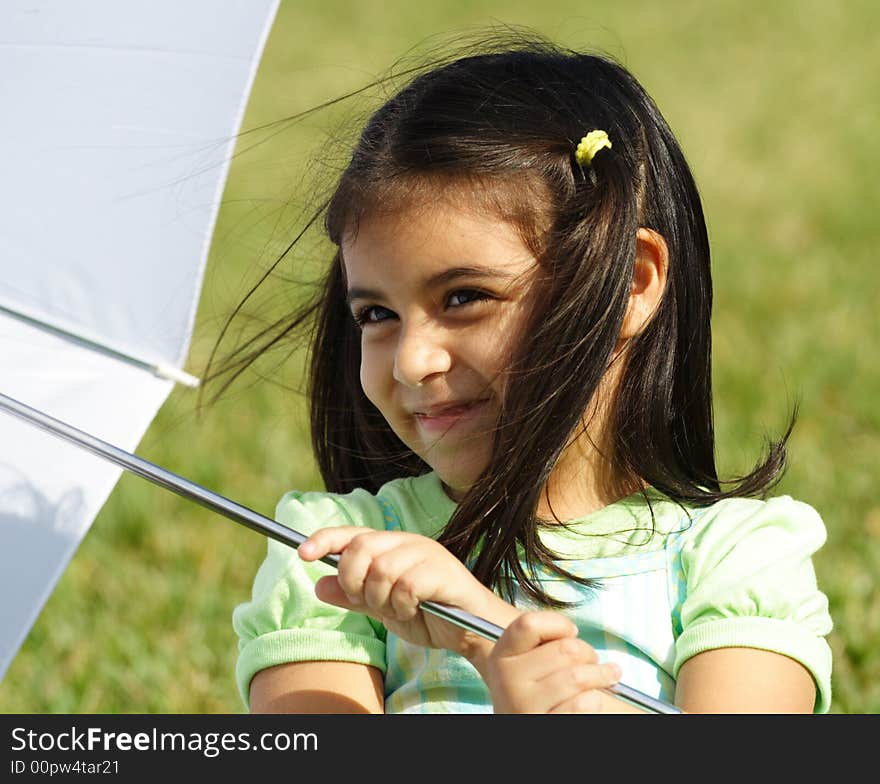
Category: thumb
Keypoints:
(328, 590)
(532, 629)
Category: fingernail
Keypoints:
(614, 671)
(306, 548)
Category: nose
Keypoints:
(421, 353)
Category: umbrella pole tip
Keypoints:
(177, 375)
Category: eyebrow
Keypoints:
(440, 279)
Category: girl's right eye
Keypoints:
(371, 314)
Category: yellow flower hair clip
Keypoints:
(590, 145)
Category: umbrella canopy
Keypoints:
(119, 124)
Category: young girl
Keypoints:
(511, 410)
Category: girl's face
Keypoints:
(440, 292)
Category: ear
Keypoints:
(648, 282)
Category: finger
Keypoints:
(356, 560)
(328, 590)
(530, 630)
(412, 588)
(565, 684)
(551, 656)
(533, 666)
(356, 547)
(385, 571)
(332, 539)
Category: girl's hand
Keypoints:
(540, 666)
(386, 574)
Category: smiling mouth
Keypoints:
(449, 409)
(444, 417)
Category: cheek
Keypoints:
(508, 337)
(371, 376)
(489, 357)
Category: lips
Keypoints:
(447, 409)
(439, 418)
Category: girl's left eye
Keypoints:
(464, 296)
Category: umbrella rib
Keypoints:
(161, 369)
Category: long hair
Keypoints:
(506, 122)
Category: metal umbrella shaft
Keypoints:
(260, 523)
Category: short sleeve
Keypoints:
(750, 583)
(284, 621)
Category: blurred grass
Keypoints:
(776, 108)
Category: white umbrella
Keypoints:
(118, 125)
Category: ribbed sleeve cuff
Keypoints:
(769, 634)
(296, 645)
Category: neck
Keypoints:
(584, 480)
(582, 483)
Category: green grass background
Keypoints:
(775, 105)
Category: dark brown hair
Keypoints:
(507, 121)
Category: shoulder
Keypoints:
(417, 504)
(414, 504)
(748, 581)
(307, 511)
(752, 529)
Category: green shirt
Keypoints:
(676, 581)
